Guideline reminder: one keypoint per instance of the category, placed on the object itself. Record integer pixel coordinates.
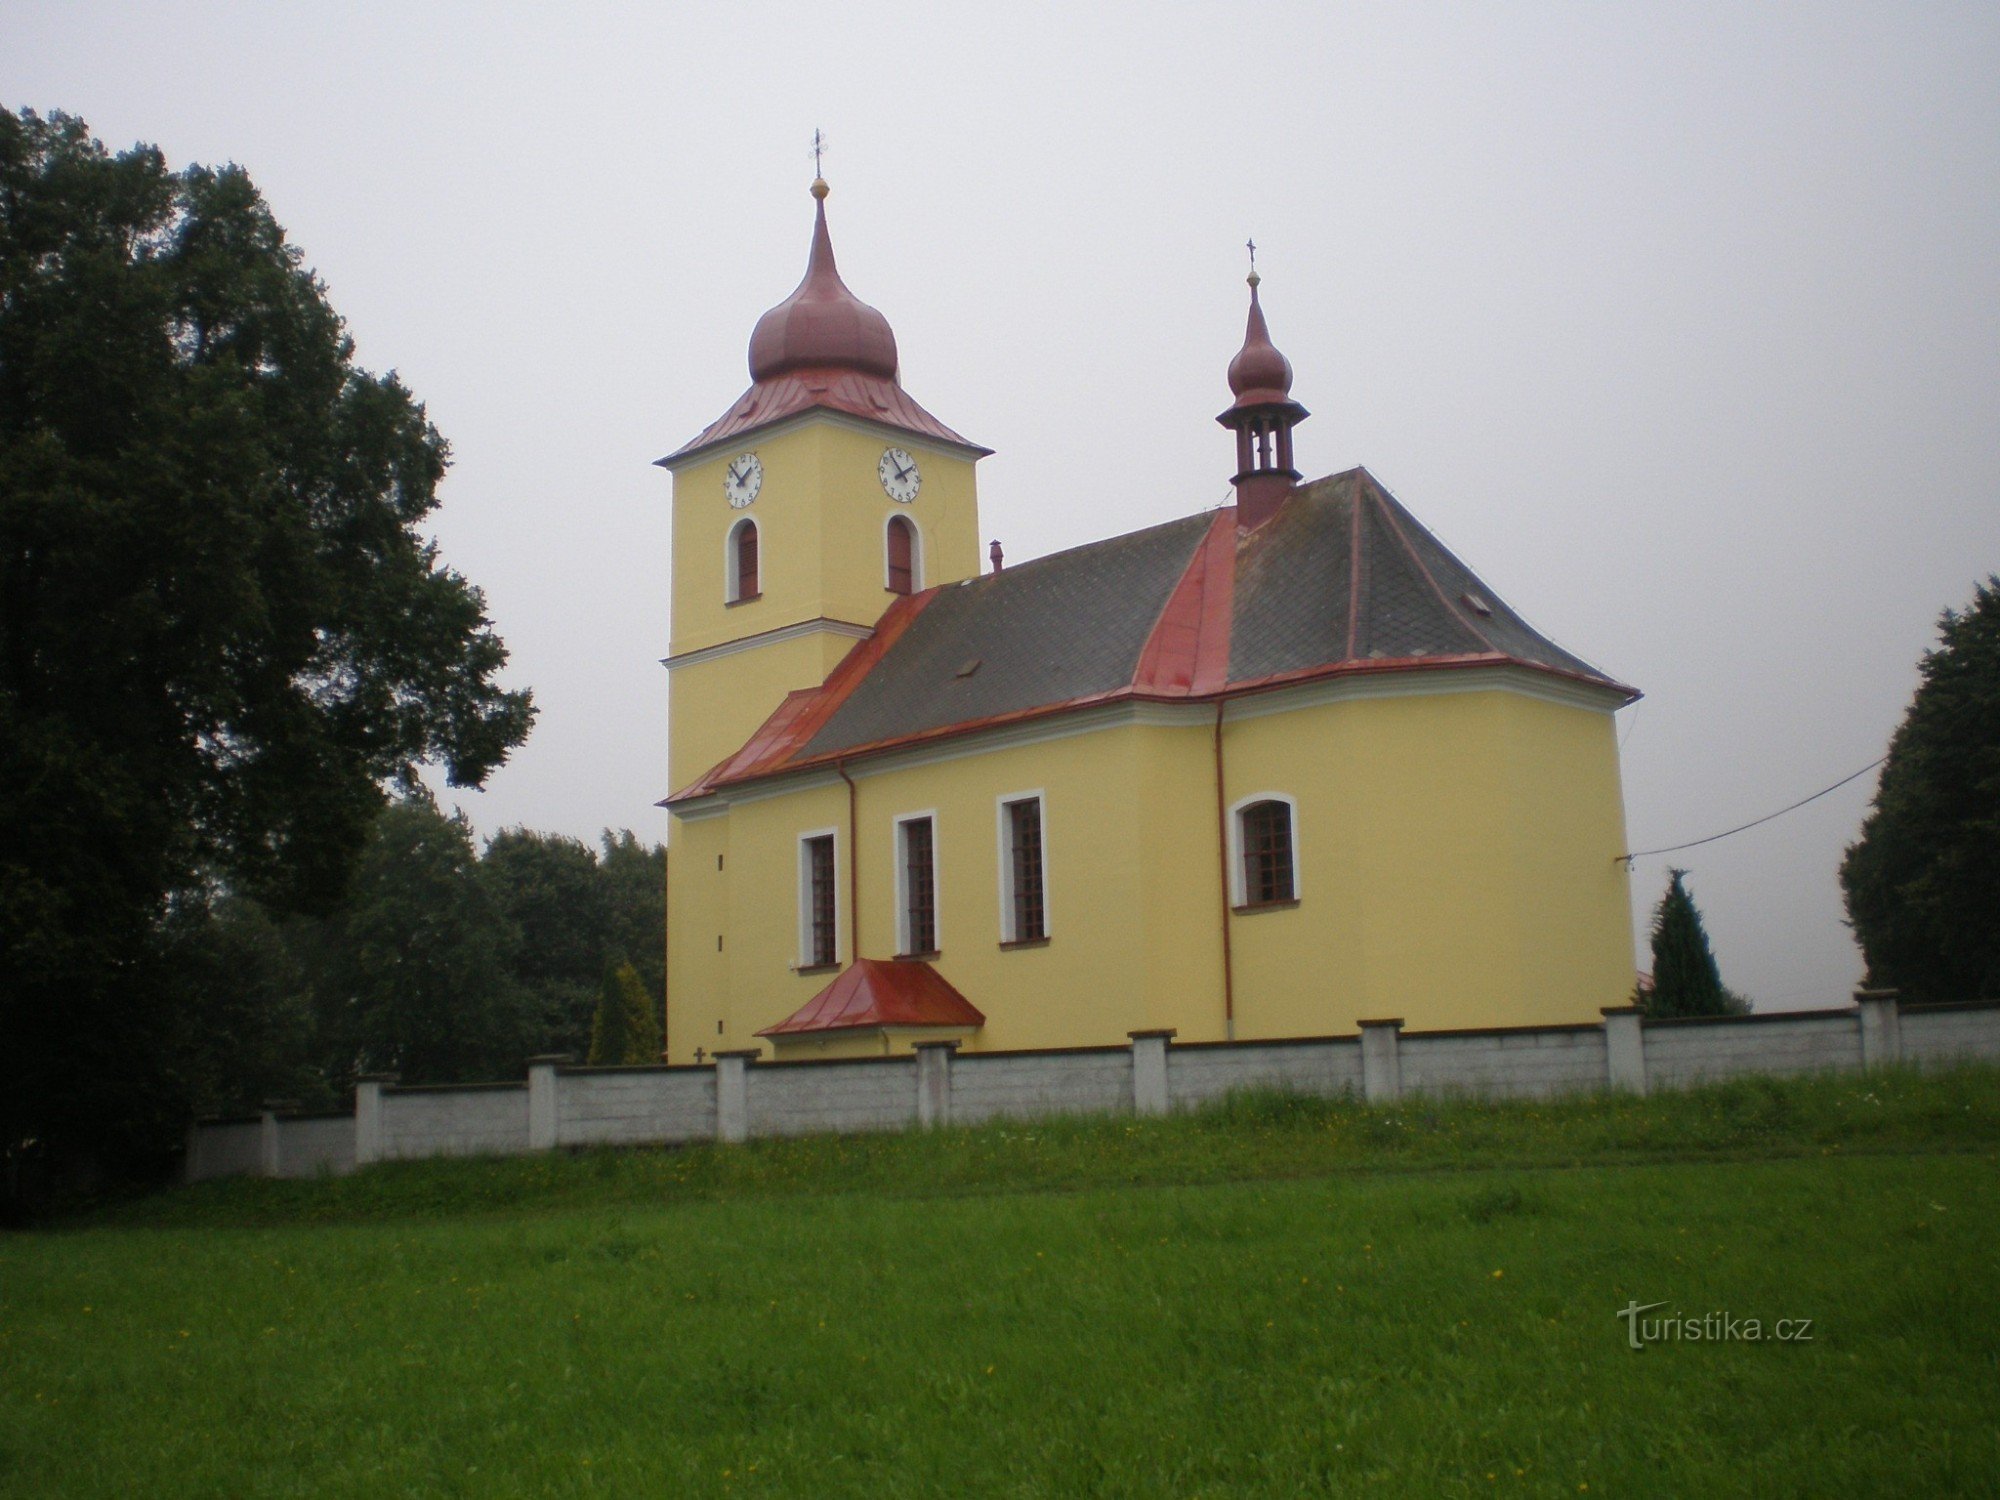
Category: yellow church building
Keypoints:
(1263, 771)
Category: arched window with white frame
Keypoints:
(740, 563)
(902, 555)
(1264, 853)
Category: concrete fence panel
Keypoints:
(846, 1096)
(1679, 1053)
(469, 1119)
(1206, 1071)
(1937, 1035)
(1021, 1085)
(1505, 1064)
(634, 1106)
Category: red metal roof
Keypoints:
(873, 398)
(881, 992)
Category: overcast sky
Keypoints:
(1680, 325)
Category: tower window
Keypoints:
(819, 902)
(917, 885)
(1024, 904)
(900, 543)
(1266, 865)
(742, 561)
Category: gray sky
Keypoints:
(1680, 325)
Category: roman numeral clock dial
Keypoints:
(742, 479)
(899, 476)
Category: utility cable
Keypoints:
(1740, 827)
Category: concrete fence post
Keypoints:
(544, 1130)
(732, 1094)
(934, 1082)
(1149, 1071)
(368, 1116)
(1625, 1048)
(1881, 1028)
(1381, 1060)
(270, 1161)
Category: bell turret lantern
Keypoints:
(1262, 416)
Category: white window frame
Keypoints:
(901, 867)
(916, 549)
(732, 582)
(1004, 842)
(1238, 886)
(806, 958)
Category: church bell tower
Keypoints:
(803, 512)
(1263, 416)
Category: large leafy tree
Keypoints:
(552, 889)
(1923, 882)
(222, 630)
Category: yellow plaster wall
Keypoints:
(820, 518)
(1455, 865)
(714, 705)
(1456, 868)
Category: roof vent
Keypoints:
(969, 668)
(1476, 603)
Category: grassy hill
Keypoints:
(1280, 1296)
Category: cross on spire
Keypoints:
(819, 147)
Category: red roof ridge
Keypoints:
(1187, 651)
(804, 711)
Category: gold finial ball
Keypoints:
(820, 189)
(1255, 281)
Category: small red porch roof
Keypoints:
(881, 992)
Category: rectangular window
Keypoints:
(1026, 908)
(819, 900)
(918, 878)
(1267, 853)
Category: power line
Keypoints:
(1740, 827)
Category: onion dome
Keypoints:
(822, 324)
(1259, 375)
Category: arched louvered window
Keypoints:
(1266, 858)
(743, 561)
(902, 549)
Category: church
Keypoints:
(1266, 770)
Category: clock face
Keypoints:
(899, 476)
(742, 479)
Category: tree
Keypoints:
(635, 878)
(416, 969)
(1686, 978)
(625, 1029)
(1923, 882)
(553, 890)
(222, 632)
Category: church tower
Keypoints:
(1263, 416)
(803, 512)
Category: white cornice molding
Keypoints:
(768, 638)
(1124, 713)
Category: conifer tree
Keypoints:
(1686, 979)
(609, 1039)
(642, 1023)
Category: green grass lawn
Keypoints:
(1278, 1297)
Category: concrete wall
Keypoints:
(1685, 1052)
(737, 1097)
(472, 1119)
(1935, 1035)
(1529, 1064)
(1020, 1085)
(1205, 1071)
(635, 1106)
(844, 1097)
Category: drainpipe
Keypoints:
(853, 870)
(1222, 867)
